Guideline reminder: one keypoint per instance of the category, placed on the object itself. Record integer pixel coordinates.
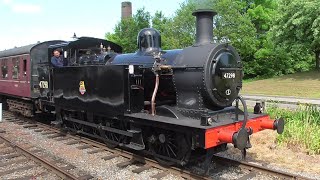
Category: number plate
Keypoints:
(44, 84)
(229, 75)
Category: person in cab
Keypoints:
(57, 59)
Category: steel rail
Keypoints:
(43, 162)
(258, 168)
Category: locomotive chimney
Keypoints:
(126, 9)
(204, 25)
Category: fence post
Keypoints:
(263, 104)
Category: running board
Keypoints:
(136, 142)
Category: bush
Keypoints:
(302, 128)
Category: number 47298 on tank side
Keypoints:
(175, 105)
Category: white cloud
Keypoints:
(26, 8)
(22, 8)
(6, 1)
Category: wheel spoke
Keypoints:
(172, 151)
(167, 144)
(167, 151)
(174, 146)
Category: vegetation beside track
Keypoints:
(302, 128)
(304, 84)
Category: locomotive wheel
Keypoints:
(112, 140)
(170, 147)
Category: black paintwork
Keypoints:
(85, 42)
(41, 62)
(40, 68)
(149, 40)
(145, 60)
(206, 88)
(204, 26)
(86, 51)
(107, 89)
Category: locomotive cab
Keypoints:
(86, 51)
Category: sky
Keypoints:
(24, 22)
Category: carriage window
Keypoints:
(24, 67)
(4, 68)
(15, 68)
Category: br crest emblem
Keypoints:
(82, 88)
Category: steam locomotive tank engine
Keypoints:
(174, 105)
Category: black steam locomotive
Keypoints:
(175, 105)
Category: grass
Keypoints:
(304, 84)
(302, 128)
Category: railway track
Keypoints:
(86, 143)
(131, 158)
(15, 150)
(254, 169)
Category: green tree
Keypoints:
(273, 37)
(265, 61)
(297, 28)
(230, 24)
(126, 31)
(161, 23)
(237, 27)
(183, 26)
(262, 14)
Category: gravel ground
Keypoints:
(101, 169)
(5, 150)
(229, 173)
(236, 173)
(85, 163)
(13, 166)
(18, 174)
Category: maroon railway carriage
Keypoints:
(19, 80)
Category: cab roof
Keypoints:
(84, 42)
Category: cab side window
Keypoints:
(4, 68)
(15, 68)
